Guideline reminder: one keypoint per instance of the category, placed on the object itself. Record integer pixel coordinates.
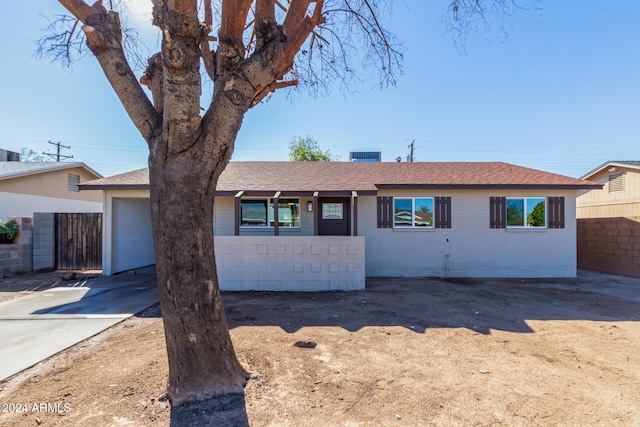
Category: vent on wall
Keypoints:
(72, 183)
(616, 182)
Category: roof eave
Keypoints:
(589, 186)
(39, 171)
(106, 187)
(609, 164)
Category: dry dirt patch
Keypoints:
(404, 352)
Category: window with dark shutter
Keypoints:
(443, 212)
(498, 212)
(385, 212)
(556, 212)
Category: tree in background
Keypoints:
(308, 150)
(537, 216)
(28, 155)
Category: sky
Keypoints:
(560, 92)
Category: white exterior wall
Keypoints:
(280, 263)
(473, 248)
(470, 248)
(24, 205)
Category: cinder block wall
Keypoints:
(610, 245)
(282, 263)
(16, 257)
(44, 256)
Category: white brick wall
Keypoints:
(282, 263)
(470, 248)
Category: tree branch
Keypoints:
(297, 26)
(295, 15)
(234, 16)
(104, 39)
(265, 11)
(183, 6)
(79, 9)
(261, 94)
(153, 79)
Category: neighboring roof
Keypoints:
(632, 164)
(365, 178)
(14, 169)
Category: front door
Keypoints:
(334, 216)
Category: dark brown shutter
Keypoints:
(498, 212)
(443, 212)
(556, 212)
(385, 212)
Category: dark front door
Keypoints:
(333, 216)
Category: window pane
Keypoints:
(332, 211)
(253, 213)
(536, 212)
(402, 212)
(515, 212)
(423, 215)
(288, 213)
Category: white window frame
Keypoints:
(270, 209)
(525, 207)
(413, 225)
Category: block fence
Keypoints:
(16, 257)
(610, 245)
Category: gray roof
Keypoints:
(365, 178)
(633, 164)
(15, 169)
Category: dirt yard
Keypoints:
(404, 352)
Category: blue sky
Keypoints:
(560, 93)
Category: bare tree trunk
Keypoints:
(202, 361)
(188, 152)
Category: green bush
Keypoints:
(9, 229)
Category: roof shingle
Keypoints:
(307, 177)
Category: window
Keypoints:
(253, 212)
(526, 212)
(510, 212)
(413, 212)
(288, 213)
(72, 183)
(332, 211)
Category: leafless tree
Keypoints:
(260, 46)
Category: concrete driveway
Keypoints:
(37, 326)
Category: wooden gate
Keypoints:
(78, 241)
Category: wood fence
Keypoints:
(78, 241)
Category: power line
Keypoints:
(57, 155)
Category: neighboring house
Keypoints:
(28, 187)
(376, 219)
(619, 195)
(609, 219)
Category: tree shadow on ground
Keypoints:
(419, 304)
(228, 410)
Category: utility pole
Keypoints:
(57, 155)
(410, 156)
